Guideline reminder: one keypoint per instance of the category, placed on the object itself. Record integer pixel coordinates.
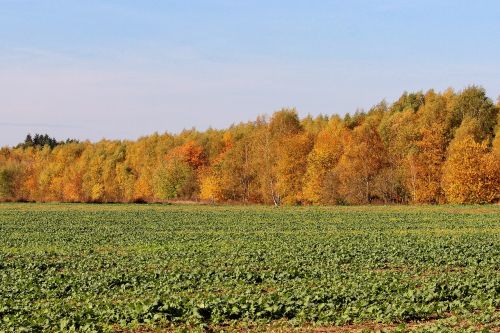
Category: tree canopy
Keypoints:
(426, 147)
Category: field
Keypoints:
(149, 268)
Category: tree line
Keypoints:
(432, 147)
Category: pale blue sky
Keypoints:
(122, 69)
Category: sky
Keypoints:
(121, 69)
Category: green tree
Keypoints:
(473, 103)
(174, 179)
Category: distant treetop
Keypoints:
(41, 140)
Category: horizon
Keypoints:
(121, 70)
(265, 115)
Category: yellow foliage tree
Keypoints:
(471, 173)
(363, 158)
(425, 166)
(320, 176)
(291, 166)
(210, 187)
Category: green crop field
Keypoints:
(153, 268)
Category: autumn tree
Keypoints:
(174, 179)
(238, 167)
(66, 182)
(176, 176)
(398, 132)
(231, 173)
(143, 160)
(361, 162)
(210, 186)
(270, 140)
(291, 166)
(7, 182)
(321, 181)
(425, 160)
(212, 178)
(424, 166)
(471, 173)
